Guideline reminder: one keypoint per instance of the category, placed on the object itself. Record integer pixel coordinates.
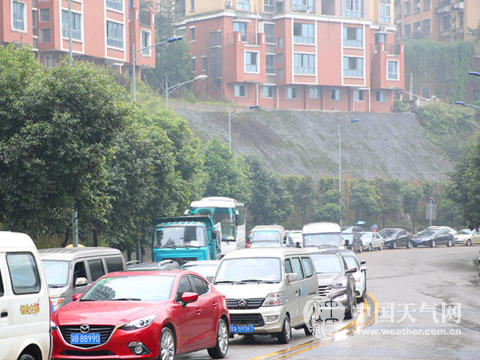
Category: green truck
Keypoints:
(186, 238)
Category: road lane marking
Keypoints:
(350, 329)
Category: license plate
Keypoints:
(241, 329)
(90, 338)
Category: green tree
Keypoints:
(390, 200)
(412, 193)
(302, 192)
(364, 199)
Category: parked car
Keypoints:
(371, 240)
(267, 236)
(360, 276)
(478, 265)
(349, 234)
(335, 279)
(72, 270)
(267, 290)
(357, 245)
(395, 237)
(323, 235)
(24, 304)
(467, 237)
(433, 237)
(144, 315)
(206, 268)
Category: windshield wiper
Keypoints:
(126, 299)
(89, 300)
(227, 282)
(259, 281)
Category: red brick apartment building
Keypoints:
(296, 54)
(101, 30)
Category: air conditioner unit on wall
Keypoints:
(228, 3)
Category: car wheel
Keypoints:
(409, 245)
(380, 247)
(449, 243)
(286, 334)
(26, 357)
(350, 313)
(167, 344)
(370, 247)
(433, 243)
(221, 348)
(394, 245)
(468, 243)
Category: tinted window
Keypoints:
(79, 271)
(1, 285)
(23, 273)
(199, 286)
(297, 268)
(114, 263)
(288, 267)
(96, 268)
(307, 266)
(183, 286)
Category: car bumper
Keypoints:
(265, 320)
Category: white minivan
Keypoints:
(323, 235)
(24, 303)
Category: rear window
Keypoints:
(23, 273)
(114, 263)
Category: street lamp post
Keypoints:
(340, 166)
(134, 55)
(169, 90)
(230, 125)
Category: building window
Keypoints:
(240, 90)
(270, 63)
(335, 94)
(291, 92)
(379, 96)
(352, 66)
(417, 29)
(358, 95)
(385, 16)
(34, 23)
(303, 5)
(192, 5)
(352, 36)
(194, 64)
(426, 26)
(304, 63)
(314, 92)
(115, 34)
(76, 25)
(192, 34)
(426, 93)
(303, 33)
(243, 4)
(446, 22)
(242, 28)
(352, 8)
(426, 5)
(115, 5)
(280, 73)
(406, 8)
(268, 5)
(406, 32)
(251, 61)
(146, 38)
(279, 43)
(416, 6)
(380, 38)
(44, 14)
(267, 91)
(19, 16)
(392, 70)
(279, 58)
(204, 64)
(45, 35)
(269, 30)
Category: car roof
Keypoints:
(322, 227)
(174, 272)
(202, 262)
(15, 240)
(267, 227)
(396, 229)
(73, 253)
(264, 252)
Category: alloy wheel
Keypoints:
(167, 345)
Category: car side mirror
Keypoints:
(363, 262)
(291, 277)
(297, 244)
(351, 270)
(81, 281)
(188, 297)
(75, 297)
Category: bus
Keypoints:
(230, 213)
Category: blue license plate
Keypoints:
(90, 338)
(241, 329)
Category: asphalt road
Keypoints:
(423, 304)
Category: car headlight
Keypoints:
(340, 284)
(274, 299)
(139, 323)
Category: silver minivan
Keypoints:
(267, 291)
(70, 270)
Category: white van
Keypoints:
(24, 304)
(267, 291)
(323, 235)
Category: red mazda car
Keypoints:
(143, 315)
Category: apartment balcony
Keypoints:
(459, 5)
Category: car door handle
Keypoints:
(4, 314)
(215, 305)
(199, 311)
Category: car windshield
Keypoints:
(387, 232)
(208, 271)
(426, 233)
(249, 269)
(57, 272)
(465, 231)
(266, 235)
(347, 230)
(327, 263)
(365, 235)
(139, 288)
(323, 240)
(179, 236)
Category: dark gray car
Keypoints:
(395, 237)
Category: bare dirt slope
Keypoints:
(306, 142)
